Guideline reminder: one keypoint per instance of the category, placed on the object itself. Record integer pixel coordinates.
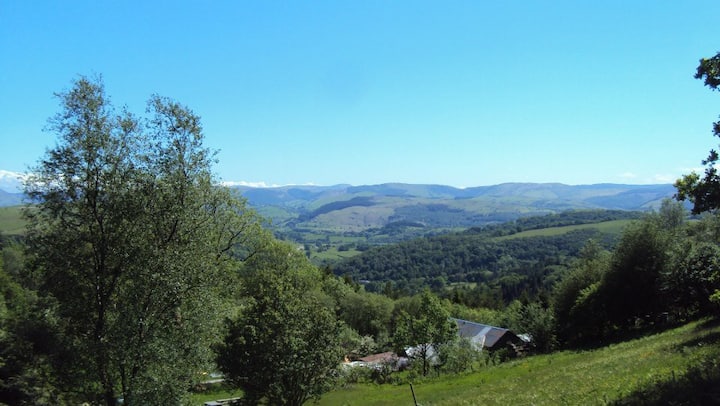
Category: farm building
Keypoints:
(489, 337)
(377, 361)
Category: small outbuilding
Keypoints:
(377, 361)
(489, 337)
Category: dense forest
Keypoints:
(484, 266)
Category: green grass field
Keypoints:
(609, 227)
(332, 254)
(678, 366)
(630, 372)
(11, 222)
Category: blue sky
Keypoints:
(463, 93)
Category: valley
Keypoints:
(335, 222)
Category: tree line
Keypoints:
(497, 271)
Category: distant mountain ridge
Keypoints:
(558, 190)
(356, 208)
(334, 222)
(11, 182)
(630, 197)
(10, 199)
(343, 208)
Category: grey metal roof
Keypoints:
(483, 334)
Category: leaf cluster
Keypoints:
(283, 346)
(704, 192)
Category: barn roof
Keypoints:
(487, 335)
(382, 357)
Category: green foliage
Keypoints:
(694, 278)
(601, 296)
(354, 375)
(577, 316)
(460, 355)
(533, 319)
(426, 329)
(704, 192)
(11, 221)
(29, 340)
(368, 313)
(502, 268)
(631, 288)
(130, 239)
(709, 70)
(284, 345)
(478, 314)
(671, 216)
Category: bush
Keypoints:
(459, 356)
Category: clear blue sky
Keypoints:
(464, 93)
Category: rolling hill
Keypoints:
(330, 221)
(10, 199)
(307, 203)
(525, 256)
(344, 208)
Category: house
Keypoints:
(489, 337)
(222, 402)
(377, 361)
(385, 357)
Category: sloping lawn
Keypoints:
(679, 366)
(11, 221)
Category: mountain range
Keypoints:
(347, 208)
(357, 208)
(10, 199)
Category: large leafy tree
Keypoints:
(130, 238)
(284, 345)
(368, 313)
(533, 319)
(694, 278)
(704, 191)
(578, 314)
(632, 286)
(425, 331)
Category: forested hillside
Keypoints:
(499, 268)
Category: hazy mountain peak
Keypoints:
(11, 181)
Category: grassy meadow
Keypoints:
(679, 366)
(614, 227)
(11, 222)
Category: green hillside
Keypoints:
(11, 222)
(679, 366)
(613, 227)
(487, 266)
(373, 215)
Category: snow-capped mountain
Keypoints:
(11, 182)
